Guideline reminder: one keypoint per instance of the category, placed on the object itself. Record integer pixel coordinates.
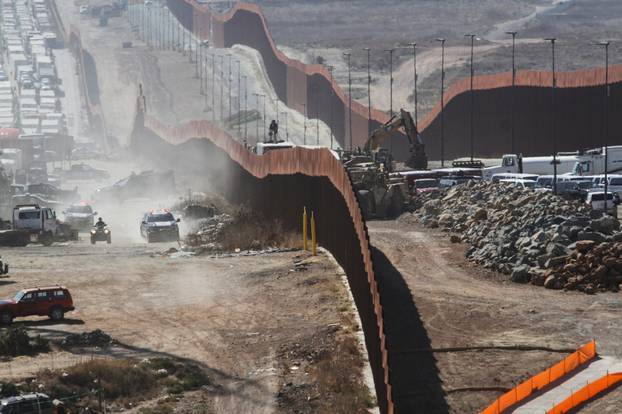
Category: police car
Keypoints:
(159, 226)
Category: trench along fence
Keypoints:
(356, 260)
(525, 389)
(586, 393)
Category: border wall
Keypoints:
(280, 184)
(579, 102)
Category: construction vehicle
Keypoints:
(380, 193)
(418, 158)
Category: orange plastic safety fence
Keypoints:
(573, 361)
(590, 390)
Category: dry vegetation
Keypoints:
(121, 382)
(250, 230)
(16, 341)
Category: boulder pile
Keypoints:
(535, 237)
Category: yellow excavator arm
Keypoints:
(404, 120)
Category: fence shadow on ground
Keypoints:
(417, 387)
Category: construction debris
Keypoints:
(532, 236)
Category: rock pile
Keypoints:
(528, 235)
(591, 267)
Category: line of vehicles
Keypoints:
(32, 223)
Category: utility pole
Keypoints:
(257, 95)
(195, 29)
(606, 44)
(304, 134)
(349, 57)
(330, 105)
(390, 81)
(213, 88)
(264, 117)
(229, 85)
(368, 50)
(553, 131)
(317, 116)
(472, 103)
(513, 99)
(239, 99)
(286, 126)
(414, 45)
(442, 41)
(245, 110)
(222, 82)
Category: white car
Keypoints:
(524, 184)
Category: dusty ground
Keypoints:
(454, 304)
(237, 317)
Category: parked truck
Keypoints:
(41, 223)
(592, 162)
(513, 163)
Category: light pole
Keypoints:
(349, 57)
(239, 99)
(204, 72)
(286, 126)
(414, 45)
(258, 95)
(304, 133)
(606, 44)
(330, 105)
(213, 88)
(472, 36)
(442, 41)
(196, 41)
(222, 83)
(513, 99)
(229, 85)
(245, 110)
(390, 83)
(368, 50)
(264, 117)
(553, 132)
(317, 116)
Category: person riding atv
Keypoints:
(100, 232)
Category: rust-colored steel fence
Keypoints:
(280, 184)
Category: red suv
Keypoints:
(49, 301)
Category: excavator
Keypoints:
(380, 192)
(418, 158)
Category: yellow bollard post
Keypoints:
(313, 236)
(304, 228)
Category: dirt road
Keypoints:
(234, 316)
(454, 304)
